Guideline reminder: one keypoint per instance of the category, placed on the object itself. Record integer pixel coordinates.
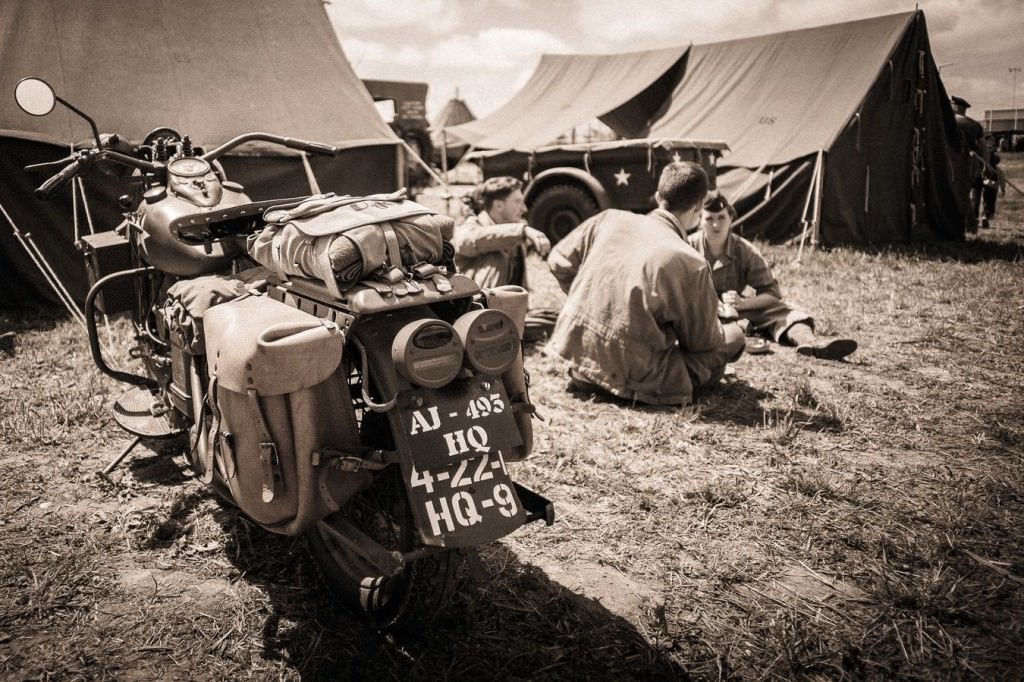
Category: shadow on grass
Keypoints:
(979, 249)
(514, 624)
(158, 461)
(25, 320)
(735, 402)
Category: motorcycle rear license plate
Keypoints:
(460, 421)
(467, 503)
(454, 471)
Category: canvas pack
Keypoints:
(281, 412)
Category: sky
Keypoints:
(484, 51)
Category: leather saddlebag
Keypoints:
(282, 412)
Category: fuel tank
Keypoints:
(164, 251)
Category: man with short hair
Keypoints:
(641, 317)
(737, 265)
(490, 246)
(975, 151)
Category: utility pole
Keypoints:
(1014, 70)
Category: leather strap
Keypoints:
(441, 283)
(206, 453)
(269, 460)
(391, 237)
(223, 449)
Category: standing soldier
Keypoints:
(975, 151)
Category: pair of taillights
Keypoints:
(431, 352)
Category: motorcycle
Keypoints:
(375, 420)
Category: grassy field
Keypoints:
(807, 520)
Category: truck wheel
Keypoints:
(560, 208)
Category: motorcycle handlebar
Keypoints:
(316, 147)
(46, 190)
(290, 142)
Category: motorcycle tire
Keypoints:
(414, 597)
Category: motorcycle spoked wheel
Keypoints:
(414, 597)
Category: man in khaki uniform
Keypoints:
(490, 246)
(641, 317)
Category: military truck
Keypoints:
(566, 184)
(403, 104)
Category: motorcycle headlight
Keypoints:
(490, 338)
(427, 352)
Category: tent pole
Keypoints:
(746, 183)
(992, 168)
(425, 165)
(444, 171)
(816, 230)
(85, 205)
(807, 205)
(469, 149)
(39, 261)
(314, 186)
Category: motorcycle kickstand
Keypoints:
(105, 473)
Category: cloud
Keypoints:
(488, 48)
(428, 16)
(496, 49)
(655, 25)
(487, 68)
(374, 56)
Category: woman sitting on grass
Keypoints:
(736, 264)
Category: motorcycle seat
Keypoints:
(205, 227)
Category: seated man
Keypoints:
(641, 317)
(490, 247)
(736, 264)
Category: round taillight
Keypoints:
(427, 352)
(490, 338)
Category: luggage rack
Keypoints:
(305, 300)
(312, 297)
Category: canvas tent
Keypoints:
(567, 90)
(844, 130)
(211, 70)
(851, 115)
(453, 113)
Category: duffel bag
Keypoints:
(344, 240)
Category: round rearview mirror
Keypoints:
(35, 96)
